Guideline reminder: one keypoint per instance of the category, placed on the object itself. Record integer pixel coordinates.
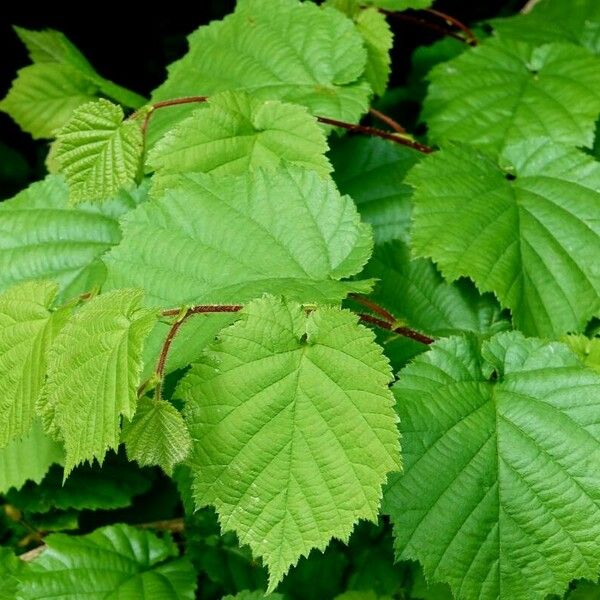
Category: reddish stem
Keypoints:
(410, 18)
(388, 120)
(403, 331)
(173, 102)
(368, 303)
(450, 20)
(203, 308)
(377, 132)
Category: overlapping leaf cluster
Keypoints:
(184, 285)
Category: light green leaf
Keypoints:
(378, 38)
(116, 562)
(372, 172)
(576, 21)
(500, 496)
(506, 90)
(28, 458)
(587, 349)
(415, 292)
(527, 232)
(27, 328)
(112, 486)
(43, 97)
(292, 51)
(293, 429)
(157, 435)
(11, 571)
(43, 237)
(98, 152)
(229, 239)
(45, 94)
(94, 373)
(236, 133)
(51, 46)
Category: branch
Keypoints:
(388, 120)
(378, 133)
(471, 37)
(403, 331)
(404, 141)
(367, 303)
(32, 554)
(171, 525)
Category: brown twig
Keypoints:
(470, 36)
(378, 133)
(387, 120)
(171, 525)
(368, 303)
(403, 331)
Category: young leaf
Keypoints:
(94, 373)
(372, 172)
(236, 133)
(414, 291)
(27, 328)
(157, 435)
(28, 458)
(292, 51)
(506, 90)
(378, 39)
(98, 152)
(294, 432)
(43, 237)
(44, 96)
(528, 232)
(230, 239)
(112, 562)
(500, 494)
(587, 349)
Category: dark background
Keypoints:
(133, 50)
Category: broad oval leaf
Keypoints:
(293, 429)
(118, 562)
(27, 328)
(291, 51)
(528, 232)
(98, 152)
(506, 90)
(157, 435)
(500, 496)
(222, 240)
(43, 237)
(94, 373)
(235, 133)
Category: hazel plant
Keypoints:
(261, 284)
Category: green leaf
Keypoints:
(112, 486)
(157, 435)
(28, 458)
(372, 172)
(94, 373)
(415, 292)
(11, 571)
(587, 349)
(112, 562)
(527, 232)
(27, 328)
(500, 494)
(281, 50)
(43, 237)
(229, 239)
(296, 420)
(98, 152)
(236, 133)
(506, 90)
(43, 97)
(378, 39)
(575, 22)
(361, 595)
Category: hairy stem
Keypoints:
(368, 303)
(403, 331)
(470, 36)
